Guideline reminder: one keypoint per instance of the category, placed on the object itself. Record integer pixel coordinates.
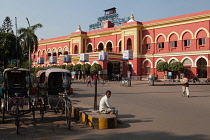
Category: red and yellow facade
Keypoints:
(182, 38)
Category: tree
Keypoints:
(176, 66)
(95, 68)
(77, 67)
(7, 26)
(70, 67)
(162, 67)
(86, 68)
(7, 47)
(29, 40)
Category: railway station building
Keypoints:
(183, 38)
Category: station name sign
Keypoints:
(114, 18)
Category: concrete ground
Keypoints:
(148, 112)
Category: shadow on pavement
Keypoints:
(147, 135)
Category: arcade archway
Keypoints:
(201, 68)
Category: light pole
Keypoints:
(16, 41)
(29, 49)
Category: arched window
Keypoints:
(120, 47)
(173, 40)
(100, 47)
(89, 48)
(54, 52)
(187, 39)
(59, 51)
(109, 47)
(76, 49)
(48, 54)
(65, 51)
(187, 62)
(201, 37)
(129, 44)
(160, 42)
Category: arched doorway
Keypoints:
(201, 68)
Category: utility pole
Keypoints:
(29, 49)
(16, 42)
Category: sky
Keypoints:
(62, 17)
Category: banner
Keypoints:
(67, 59)
(127, 55)
(40, 60)
(84, 57)
(53, 59)
(103, 56)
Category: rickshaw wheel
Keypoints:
(41, 112)
(33, 112)
(17, 119)
(68, 117)
(3, 114)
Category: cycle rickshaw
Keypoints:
(53, 89)
(16, 97)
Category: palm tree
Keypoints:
(29, 39)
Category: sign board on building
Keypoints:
(67, 59)
(169, 73)
(53, 59)
(84, 57)
(110, 15)
(103, 56)
(40, 60)
(73, 72)
(127, 55)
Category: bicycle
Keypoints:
(18, 103)
(66, 107)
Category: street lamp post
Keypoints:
(29, 49)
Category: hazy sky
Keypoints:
(62, 17)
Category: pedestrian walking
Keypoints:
(94, 79)
(185, 87)
(89, 81)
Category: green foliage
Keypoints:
(7, 47)
(77, 67)
(35, 70)
(29, 38)
(7, 26)
(95, 68)
(63, 66)
(25, 64)
(162, 66)
(70, 67)
(85, 67)
(176, 66)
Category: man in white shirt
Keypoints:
(105, 107)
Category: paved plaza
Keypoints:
(148, 112)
